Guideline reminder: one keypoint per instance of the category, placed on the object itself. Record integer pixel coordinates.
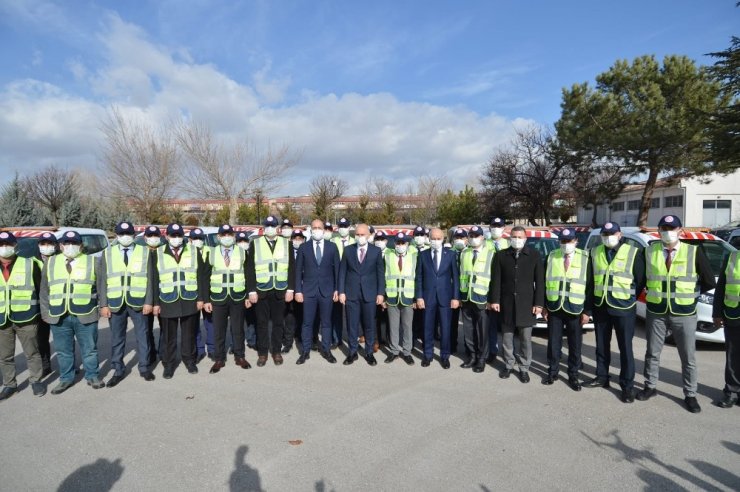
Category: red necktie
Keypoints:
(6, 271)
(668, 259)
(567, 262)
(400, 263)
(176, 254)
(69, 265)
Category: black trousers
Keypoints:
(43, 333)
(557, 324)
(235, 311)
(270, 307)
(624, 329)
(381, 322)
(732, 349)
(293, 322)
(475, 330)
(455, 330)
(168, 326)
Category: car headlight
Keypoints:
(706, 299)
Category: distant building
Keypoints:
(697, 204)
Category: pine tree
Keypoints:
(16, 208)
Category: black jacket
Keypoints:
(517, 284)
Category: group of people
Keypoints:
(312, 288)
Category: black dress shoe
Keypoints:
(479, 367)
(445, 363)
(574, 384)
(628, 396)
(286, 349)
(7, 392)
(168, 373)
(148, 376)
(550, 379)
(329, 357)
(505, 373)
(728, 401)
(350, 359)
(216, 367)
(61, 387)
(39, 389)
(524, 376)
(646, 393)
(303, 358)
(192, 368)
(408, 359)
(117, 378)
(390, 358)
(596, 382)
(468, 363)
(371, 360)
(425, 362)
(692, 405)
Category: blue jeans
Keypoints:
(65, 332)
(118, 325)
(207, 344)
(493, 327)
(250, 332)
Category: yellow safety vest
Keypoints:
(271, 267)
(492, 244)
(566, 290)
(614, 283)
(400, 284)
(732, 287)
(126, 283)
(340, 246)
(178, 280)
(19, 302)
(74, 293)
(675, 290)
(475, 279)
(227, 281)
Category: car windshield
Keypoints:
(582, 237)
(543, 246)
(715, 251)
(28, 247)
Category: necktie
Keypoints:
(400, 263)
(434, 260)
(610, 255)
(567, 262)
(227, 256)
(176, 254)
(495, 245)
(125, 256)
(475, 256)
(362, 255)
(668, 258)
(6, 271)
(318, 252)
(69, 265)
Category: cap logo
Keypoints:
(271, 218)
(566, 232)
(70, 234)
(669, 219)
(124, 226)
(175, 227)
(227, 227)
(4, 235)
(46, 234)
(608, 225)
(400, 234)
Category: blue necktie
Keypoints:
(318, 252)
(434, 260)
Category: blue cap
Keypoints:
(241, 236)
(327, 226)
(380, 236)
(125, 228)
(670, 221)
(419, 231)
(459, 233)
(197, 233)
(48, 237)
(225, 229)
(286, 223)
(566, 234)
(175, 229)
(475, 231)
(343, 222)
(8, 237)
(402, 237)
(610, 228)
(270, 221)
(71, 237)
(498, 222)
(152, 231)
(297, 233)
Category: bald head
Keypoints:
(436, 233)
(362, 230)
(317, 224)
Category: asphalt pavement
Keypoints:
(393, 427)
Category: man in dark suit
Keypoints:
(293, 310)
(518, 293)
(437, 293)
(316, 276)
(361, 287)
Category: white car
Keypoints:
(716, 251)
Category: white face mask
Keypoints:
(226, 241)
(270, 231)
(497, 232)
(71, 250)
(286, 232)
(7, 251)
(362, 240)
(401, 248)
(328, 235)
(47, 249)
(175, 242)
(459, 244)
(419, 240)
(317, 234)
(153, 241)
(476, 241)
(125, 240)
(198, 243)
(243, 245)
(297, 243)
(669, 237)
(568, 248)
(518, 242)
(381, 244)
(436, 244)
(611, 241)
(343, 231)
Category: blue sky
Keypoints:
(363, 88)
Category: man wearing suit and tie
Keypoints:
(316, 276)
(437, 293)
(361, 287)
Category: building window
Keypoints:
(673, 201)
(633, 205)
(714, 204)
(655, 203)
(618, 206)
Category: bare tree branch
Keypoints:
(50, 188)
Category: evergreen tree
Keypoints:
(16, 208)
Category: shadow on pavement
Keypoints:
(244, 477)
(99, 477)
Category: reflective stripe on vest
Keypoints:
(178, 280)
(675, 291)
(19, 300)
(566, 290)
(126, 283)
(614, 283)
(732, 287)
(271, 267)
(74, 293)
(475, 279)
(227, 281)
(400, 284)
